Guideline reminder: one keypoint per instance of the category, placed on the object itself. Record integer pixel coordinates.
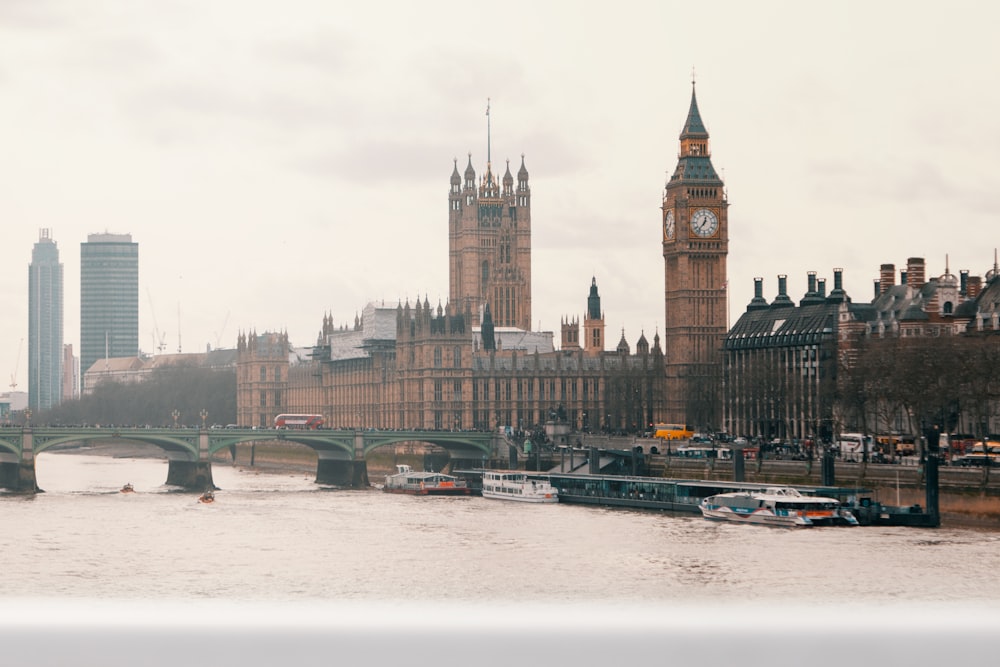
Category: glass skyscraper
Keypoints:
(45, 324)
(109, 298)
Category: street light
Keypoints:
(204, 416)
(175, 414)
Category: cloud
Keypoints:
(376, 162)
(34, 15)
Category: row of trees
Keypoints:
(187, 389)
(912, 383)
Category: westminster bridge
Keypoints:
(341, 453)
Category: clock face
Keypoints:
(704, 223)
(668, 225)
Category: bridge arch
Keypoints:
(341, 453)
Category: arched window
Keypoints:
(437, 357)
(486, 273)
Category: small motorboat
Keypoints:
(128, 488)
(207, 497)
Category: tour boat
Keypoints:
(517, 485)
(207, 497)
(128, 488)
(424, 483)
(777, 506)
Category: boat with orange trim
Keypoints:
(406, 480)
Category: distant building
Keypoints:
(45, 324)
(138, 369)
(109, 298)
(71, 374)
(784, 361)
(12, 404)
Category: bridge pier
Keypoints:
(19, 477)
(193, 475)
(348, 474)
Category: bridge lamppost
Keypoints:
(27, 416)
(204, 416)
(175, 414)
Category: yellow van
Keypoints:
(673, 432)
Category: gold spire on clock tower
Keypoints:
(695, 227)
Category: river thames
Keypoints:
(278, 564)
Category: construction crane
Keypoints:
(17, 364)
(222, 329)
(159, 339)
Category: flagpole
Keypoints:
(488, 139)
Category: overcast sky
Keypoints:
(278, 161)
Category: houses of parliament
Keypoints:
(475, 363)
(782, 370)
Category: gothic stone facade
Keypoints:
(695, 246)
(489, 245)
(416, 367)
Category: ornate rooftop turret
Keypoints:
(489, 342)
(995, 271)
(594, 301)
(470, 175)
(642, 346)
(623, 347)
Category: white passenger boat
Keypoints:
(776, 506)
(424, 483)
(518, 485)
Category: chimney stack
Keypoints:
(975, 282)
(915, 272)
(888, 276)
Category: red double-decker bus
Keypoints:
(298, 421)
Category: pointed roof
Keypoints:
(695, 162)
(694, 127)
(594, 301)
(623, 347)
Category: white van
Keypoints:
(854, 446)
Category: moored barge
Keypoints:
(685, 496)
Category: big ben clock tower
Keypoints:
(695, 245)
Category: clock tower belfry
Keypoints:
(695, 227)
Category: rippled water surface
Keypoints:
(280, 537)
